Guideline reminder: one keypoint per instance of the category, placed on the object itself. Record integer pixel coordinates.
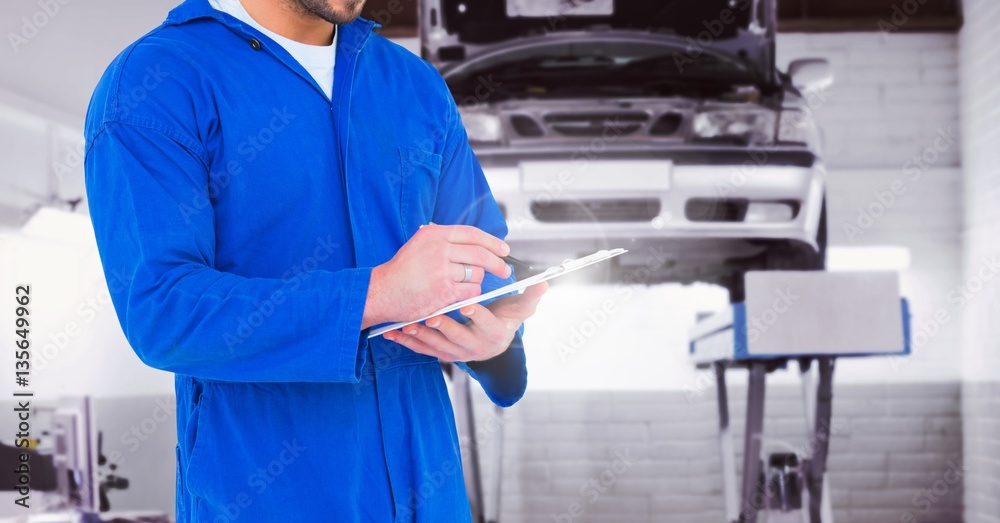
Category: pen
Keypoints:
(510, 260)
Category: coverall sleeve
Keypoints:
(148, 194)
(468, 201)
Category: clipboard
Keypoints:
(566, 267)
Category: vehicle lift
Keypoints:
(809, 317)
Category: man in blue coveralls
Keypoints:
(259, 173)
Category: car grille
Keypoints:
(526, 126)
(599, 211)
(596, 124)
(667, 125)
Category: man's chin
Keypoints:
(355, 11)
(347, 20)
(344, 16)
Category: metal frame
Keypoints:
(744, 508)
(820, 443)
(751, 486)
(726, 447)
(739, 508)
(465, 419)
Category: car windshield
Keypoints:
(581, 69)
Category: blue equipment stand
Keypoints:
(809, 318)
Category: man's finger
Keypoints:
(456, 332)
(522, 306)
(417, 346)
(479, 257)
(536, 291)
(487, 322)
(435, 340)
(464, 291)
(478, 273)
(466, 235)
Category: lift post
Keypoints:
(465, 419)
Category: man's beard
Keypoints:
(322, 9)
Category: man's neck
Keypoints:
(290, 20)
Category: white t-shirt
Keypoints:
(319, 60)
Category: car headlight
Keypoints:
(796, 127)
(750, 126)
(482, 127)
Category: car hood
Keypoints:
(453, 30)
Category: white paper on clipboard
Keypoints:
(566, 267)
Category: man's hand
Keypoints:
(487, 335)
(427, 272)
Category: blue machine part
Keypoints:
(741, 339)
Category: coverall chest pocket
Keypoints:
(420, 174)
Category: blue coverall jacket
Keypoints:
(239, 213)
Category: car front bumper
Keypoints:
(651, 205)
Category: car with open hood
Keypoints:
(660, 126)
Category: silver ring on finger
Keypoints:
(468, 273)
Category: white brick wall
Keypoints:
(890, 97)
(981, 110)
(892, 446)
(980, 80)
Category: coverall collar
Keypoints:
(351, 39)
